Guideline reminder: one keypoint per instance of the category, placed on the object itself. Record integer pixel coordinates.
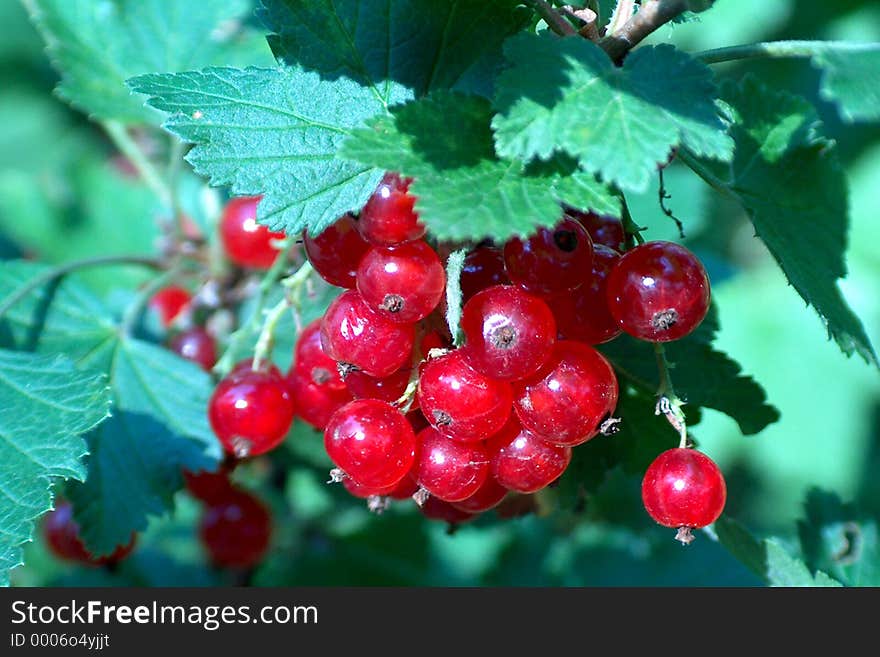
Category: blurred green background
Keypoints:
(59, 190)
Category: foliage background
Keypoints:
(58, 192)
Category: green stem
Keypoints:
(127, 146)
(632, 230)
(780, 49)
(668, 403)
(293, 288)
(175, 159)
(698, 168)
(62, 270)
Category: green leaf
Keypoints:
(390, 45)
(463, 191)
(47, 406)
(565, 95)
(767, 558)
(851, 79)
(98, 45)
(791, 183)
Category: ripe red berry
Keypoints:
(603, 229)
(583, 315)
(61, 533)
(388, 389)
(196, 345)
(336, 252)
(355, 334)
(684, 488)
(247, 243)
(315, 402)
(388, 218)
(487, 496)
(523, 462)
(310, 359)
(658, 291)
(251, 411)
(236, 529)
(449, 469)
(483, 267)
(402, 283)
(436, 509)
(567, 400)
(169, 302)
(552, 260)
(402, 490)
(460, 402)
(208, 486)
(509, 333)
(372, 442)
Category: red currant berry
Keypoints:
(388, 218)
(372, 442)
(196, 345)
(509, 333)
(208, 486)
(566, 402)
(310, 359)
(169, 302)
(251, 411)
(247, 243)
(448, 469)
(62, 536)
(684, 488)
(552, 260)
(357, 489)
(583, 315)
(436, 509)
(487, 496)
(658, 292)
(236, 529)
(355, 334)
(388, 389)
(336, 252)
(315, 403)
(602, 228)
(460, 402)
(403, 283)
(523, 462)
(483, 267)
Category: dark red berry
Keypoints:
(483, 267)
(434, 340)
(247, 243)
(658, 291)
(372, 442)
(568, 399)
(684, 488)
(208, 486)
(61, 533)
(388, 389)
(523, 462)
(552, 260)
(436, 509)
(509, 333)
(336, 252)
(169, 302)
(310, 359)
(251, 411)
(487, 496)
(354, 334)
(236, 529)
(403, 283)
(603, 229)
(196, 345)
(583, 314)
(460, 402)
(388, 218)
(315, 402)
(448, 469)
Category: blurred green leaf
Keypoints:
(851, 78)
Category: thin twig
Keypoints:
(631, 229)
(651, 15)
(127, 146)
(554, 20)
(781, 49)
(662, 196)
(668, 403)
(293, 287)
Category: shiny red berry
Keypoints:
(315, 402)
(236, 529)
(247, 243)
(389, 218)
(354, 334)
(522, 461)
(552, 260)
(449, 469)
(603, 229)
(684, 488)
(460, 402)
(483, 267)
(486, 497)
(336, 252)
(251, 411)
(402, 490)
(402, 283)
(566, 402)
(61, 533)
(196, 345)
(170, 302)
(509, 333)
(372, 442)
(658, 291)
(310, 359)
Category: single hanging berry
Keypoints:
(389, 218)
(552, 260)
(196, 345)
(235, 529)
(251, 411)
(448, 469)
(336, 252)
(684, 488)
(658, 291)
(246, 242)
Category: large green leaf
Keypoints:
(47, 406)
(851, 79)
(790, 182)
(565, 95)
(98, 45)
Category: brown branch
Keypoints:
(651, 15)
(587, 20)
(553, 19)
